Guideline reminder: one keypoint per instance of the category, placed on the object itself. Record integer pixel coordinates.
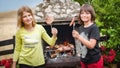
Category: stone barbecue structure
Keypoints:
(59, 9)
(63, 11)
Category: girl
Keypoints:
(28, 49)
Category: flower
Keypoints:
(3, 61)
(108, 54)
(6, 63)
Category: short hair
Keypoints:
(87, 8)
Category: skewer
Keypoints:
(72, 23)
(74, 26)
(51, 26)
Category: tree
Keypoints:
(84, 1)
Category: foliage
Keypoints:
(108, 15)
(108, 21)
(84, 1)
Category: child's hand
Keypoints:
(49, 19)
(54, 31)
(75, 34)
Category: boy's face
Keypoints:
(85, 16)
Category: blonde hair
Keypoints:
(20, 13)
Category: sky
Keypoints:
(7, 5)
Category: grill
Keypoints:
(55, 56)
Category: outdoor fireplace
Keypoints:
(64, 32)
(54, 57)
(64, 51)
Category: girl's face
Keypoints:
(85, 16)
(27, 18)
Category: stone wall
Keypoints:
(59, 9)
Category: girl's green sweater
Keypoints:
(28, 48)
